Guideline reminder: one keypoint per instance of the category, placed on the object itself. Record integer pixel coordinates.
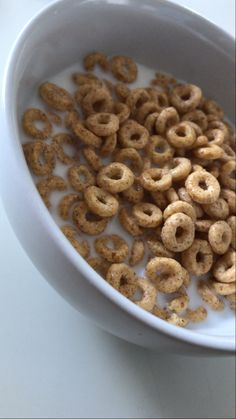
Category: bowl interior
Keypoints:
(157, 34)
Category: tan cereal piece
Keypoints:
(114, 178)
(49, 184)
(230, 197)
(186, 97)
(96, 100)
(96, 58)
(159, 150)
(40, 157)
(219, 210)
(80, 177)
(88, 222)
(122, 111)
(100, 265)
(180, 168)
(137, 252)
(122, 278)
(184, 196)
(203, 226)
(87, 137)
(92, 158)
(122, 91)
(155, 179)
(129, 223)
(150, 122)
(124, 68)
(112, 248)
(180, 206)
(211, 107)
(224, 268)
(223, 288)
(30, 117)
(160, 199)
(198, 258)
(209, 152)
(229, 153)
(147, 215)
(146, 109)
(132, 134)
(160, 98)
(109, 145)
(181, 135)
(220, 236)
(232, 224)
(157, 248)
(198, 117)
(196, 316)
(102, 124)
(130, 157)
(201, 141)
(215, 136)
(227, 175)
(84, 78)
(202, 187)
(58, 141)
(166, 273)
(56, 97)
(172, 196)
(54, 118)
(149, 294)
(209, 296)
(178, 232)
(160, 312)
(70, 119)
(177, 320)
(101, 202)
(166, 119)
(82, 246)
(134, 194)
(66, 203)
(179, 304)
(85, 89)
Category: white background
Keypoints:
(54, 363)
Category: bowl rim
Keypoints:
(222, 343)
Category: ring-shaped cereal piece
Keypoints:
(102, 124)
(131, 158)
(56, 97)
(147, 215)
(165, 273)
(108, 145)
(122, 278)
(92, 158)
(122, 111)
(54, 118)
(198, 258)
(172, 196)
(230, 198)
(203, 226)
(208, 296)
(84, 78)
(135, 193)
(159, 199)
(180, 206)
(223, 289)
(186, 97)
(129, 223)
(40, 157)
(96, 58)
(80, 177)
(232, 223)
(181, 135)
(201, 141)
(97, 100)
(159, 150)
(181, 167)
(150, 122)
(160, 98)
(71, 117)
(87, 137)
(100, 202)
(155, 179)
(114, 178)
(100, 265)
(66, 203)
(178, 232)
(122, 91)
(82, 246)
(229, 153)
(176, 320)
(196, 316)
(58, 141)
(48, 185)
(179, 304)
(146, 109)
(217, 124)
(88, 222)
(124, 68)
(157, 248)
(227, 175)
(166, 119)
(224, 269)
(215, 136)
(132, 134)
(202, 187)
(137, 252)
(209, 152)
(232, 300)
(112, 248)
(198, 117)
(211, 107)
(184, 196)
(220, 236)
(30, 117)
(149, 294)
(83, 90)
(219, 210)
(135, 99)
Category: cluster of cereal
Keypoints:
(162, 159)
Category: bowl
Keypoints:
(160, 35)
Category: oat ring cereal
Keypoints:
(219, 210)
(132, 134)
(224, 289)
(137, 252)
(48, 185)
(198, 117)
(124, 68)
(220, 236)
(30, 118)
(88, 222)
(58, 141)
(84, 78)
(96, 58)
(172, 196)
(167, 118)
(230, 198)
(108, 145)
(112, 248)
(215, 136)
(130, 157)
(198, 258)
(87, 137)
(103, 124)
(146, 109)
(165, 273)
(224, 269)
(211, 107)
(93, 160)
(116, 177)
(101, 202)
(81, 246)
(156, 180)
(122, 278)
(40, 157)
(202, 187)
(209, 152)
(147, 215)
(232, 223)
(227, 175)
(159, 150)
(181, 135)
(186, 98)
(135, 99)
(122, 111)
(149, 294)
(80, 177)
(178, 232)
(135, 193)
(56, 97)
(122, 91)
(208, 296)
(129, 223)
(66, 203)
(180, 168)
(150, 122)
(180, 206)
(97, 100)
(157, 248)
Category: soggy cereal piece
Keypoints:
(155, 179)
(208, 296)
(96, 58)
(232, 224)
(80, 177)
(134, 194)
(101, 202)
(102, 123)
(64, 139)
(122, 91)
(92, 158)
(96, 100)
(179, 304)
(40, 157)
(180, 207)
(124, 68)
(147, 215)
(219, 210)
(227, 175)
(178, 232)
(112, 248)
(116, 177)
(224, 268)
(100, 265)
(31, 117)
(56, 97)
(82, 246)
(149, 294)
(186, 97)
(157, 248)
(87, 137)
(129, 223)
(132, 134)
(181, 135)
(196, 316)
(198, 258)
(66, 203)
(159, 150)
(223, 288)
(88, 222)
(166, 274)
(122, 278)
(202, 187)
(48, 185)
(137, 252)
(220, 236)
(177, 320)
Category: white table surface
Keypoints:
(56, 364)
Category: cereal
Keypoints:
(198, 117)
(96, 58)
(122, 111)
(146, 109)
(186, 98)
(211, 107)
(181, 167)
(137, 252)
(149, 294)
(209, 297)
(97, 100)
(100, 265)
(80, 177)
(220, 236)
(122, 278)
(203, 226)
(227, 175)
(58, 141)
(116, 177)
(166, 273)
(112, 248)
(40, 157)
(56, 97)
(232, 224)
(180, 206)
(130, 157)
(132, 134)
(178, 232)
(167, 118)
(209, 152)
(102, 124)
(159, 150)
(124, 68)
(101, 202)
(177, 320)
(197, 315)
(219, 210)
(122, 91)
(224, 289)
(135, 99)
(81, 246)
(30, 117)
(92, 158)
(150, 122)
(224, 268)
(87, 137)
(198, 258)
(202, 187)
(179, 304)
(230, 197)
(66, 203)
(109, 145)
(160, 312)
(49, 184)
(181, 135)
(147, 215)
(129, 223)
(157, 248)
(88, 222)
(135, 193)
(155, 180)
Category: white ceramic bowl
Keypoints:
(157, 34)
